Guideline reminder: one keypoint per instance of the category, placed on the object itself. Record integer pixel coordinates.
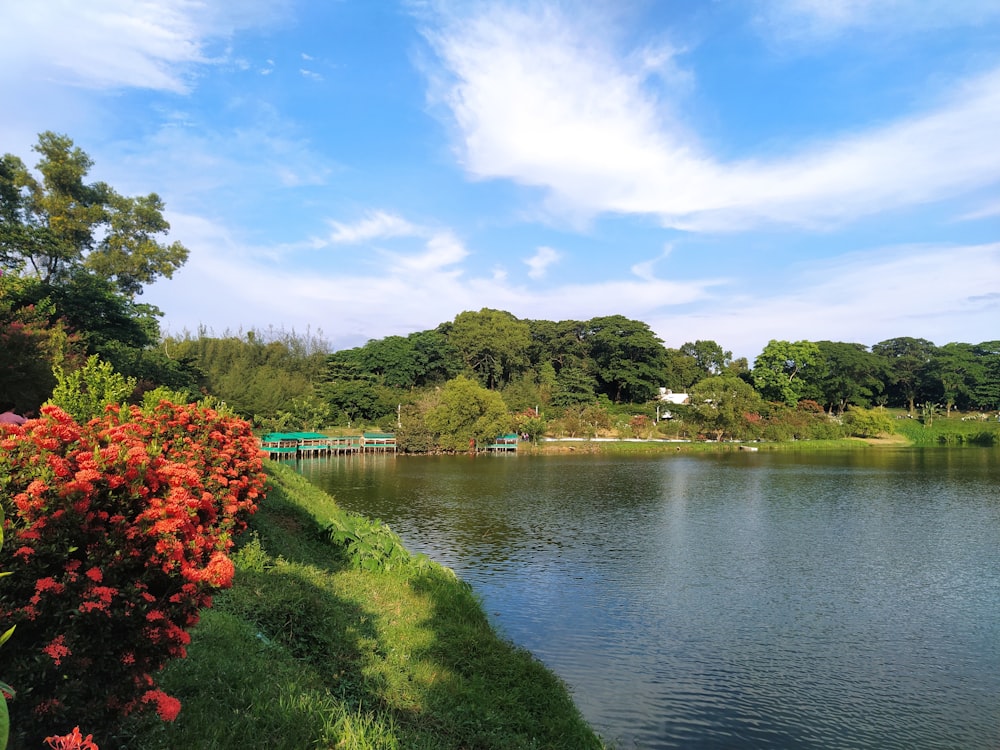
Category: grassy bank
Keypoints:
(340, 639)
(950, 431)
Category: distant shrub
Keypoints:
(985, 438)
(810, 406)
(868, 423)
(84, 393)
(824, 428)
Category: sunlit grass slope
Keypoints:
(310, 650)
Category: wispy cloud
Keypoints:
(983, 212)
(187, 160)
(118, 43)
(584, 126)
(812, 20)
(538, 264)
(922, 291)
(441, 248)
(225, 279)
(375, 225)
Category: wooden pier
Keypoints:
(284, 445)
(503, 444)
(378, 442)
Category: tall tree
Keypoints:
(908, 360)
(777, 371)
(987, 392)
(711, 358)
(682, 370)
(846, 374)
(561, 344)
(60, 223)
(725, 405)
(439, 359)
(394, 360)
(468, 415)
(960, 370)
(493, 344)
(629, 359)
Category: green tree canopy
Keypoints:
(846, 374)
(629, 359)
(960, 370)
(59, 223)
(908, 360)
(726, 406)
(32, 342)
(561, 343)
(778, 370)
(394, 360)
(493, 344)
(710, 358)
(468, 415)
(987, 393)
(681, 371)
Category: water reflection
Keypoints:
(742, 600)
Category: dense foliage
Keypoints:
(584, 379)
(73, 258)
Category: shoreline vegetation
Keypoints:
(333, 635)
(635, 446)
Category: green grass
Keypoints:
(950, 431)
(308, 650)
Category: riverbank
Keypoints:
(315, 647)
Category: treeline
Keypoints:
(75, 256)
(488, 372)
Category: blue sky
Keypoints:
(728, 169)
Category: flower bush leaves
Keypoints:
(118, 532)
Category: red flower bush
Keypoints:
(118, 533)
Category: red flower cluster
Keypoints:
(72, 741)
(118, 531)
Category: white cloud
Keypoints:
(229, 285)
(540, 99)
(443, 249)
(118, 43)
(941, 293)
(310, 74)
(539, 262)
(375, 225)
(646, 269)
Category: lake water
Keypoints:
(739, 600)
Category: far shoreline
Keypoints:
(635, 446)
